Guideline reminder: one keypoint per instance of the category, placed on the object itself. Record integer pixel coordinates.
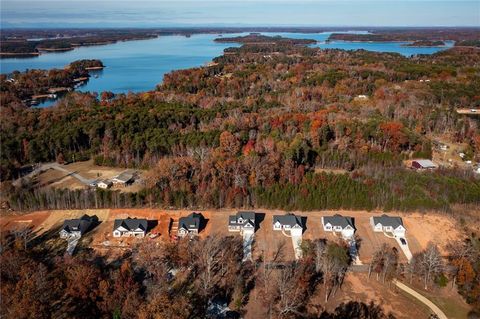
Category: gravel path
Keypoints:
(427, 302)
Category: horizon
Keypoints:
(55, 14)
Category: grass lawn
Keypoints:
(450, 306)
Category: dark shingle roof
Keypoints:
(131, 223)
(338, 220)
(386, 220)
(289, 219)
(190, 222)
(248, 217)
(82, 224)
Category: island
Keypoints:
(256, 38)
(425, 43)
(32, 86)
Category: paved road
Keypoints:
(420, 297)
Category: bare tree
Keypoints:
(430, 263)
(333, 263)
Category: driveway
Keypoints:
(72, 242)
(297, 242)
(405, 248)
(352, 248)
(247, 246)
(44, 167)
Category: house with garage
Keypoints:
(190, 225)
(243, 222)
(423, 164)
(388, 224)
(130, 227)
(76, 227)
(289, 222)
(104, 184)
(339, 224)
(122, 180)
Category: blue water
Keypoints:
(140, 65)
(395, 47)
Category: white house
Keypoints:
(75, 227)
(130, 227)
(288, 222)
(243, 222)
(189, 225)
(105, 184)
(339, 224)
(388, 224)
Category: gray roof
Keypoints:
(248, 217)
(288, 219)
(426, 163)
(73, 225)
(386, 220)
(131, 223)
(339, 220)
(190, 222)
(124, 177)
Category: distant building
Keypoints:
(76, 227)
(243, 222)
(130, 227)
(340, 224)
(388, 224)
(288, 222)
(423, 164)
(123, 179)
(104, 184)
(189, 225)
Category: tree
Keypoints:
(430, 263)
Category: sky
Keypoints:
(188, 13)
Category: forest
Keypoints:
(193, 278)
(275, 125)
(18, 88)
(253, 128)
(461, 36)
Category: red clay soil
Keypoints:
(32, 220)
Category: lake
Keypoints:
(140, 65)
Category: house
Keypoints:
(104, 184)
(289, 222)
(243, 222)
(189, 225)
(75, 227)
(130, 227)
(123, 179)
(423, 164)
(340, 224)
(388, 224)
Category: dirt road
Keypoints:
(44, 167)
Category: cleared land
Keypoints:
(88, 171)
(421, 228)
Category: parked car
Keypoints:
(403, 241)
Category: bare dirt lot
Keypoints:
(88, 170)
(421, 228)
(32, 220)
